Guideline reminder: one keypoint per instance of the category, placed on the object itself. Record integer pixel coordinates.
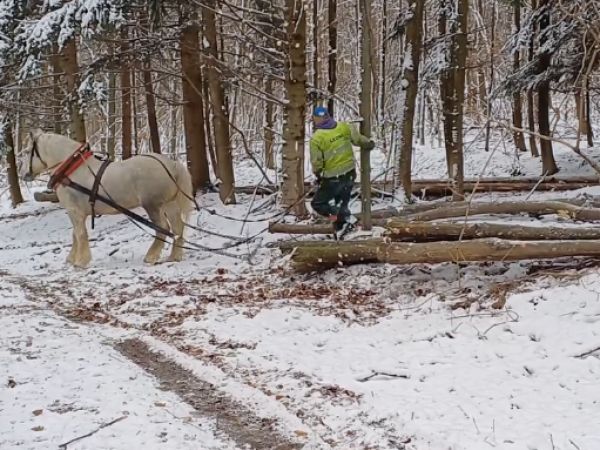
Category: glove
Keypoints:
(369, 146)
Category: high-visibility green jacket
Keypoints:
(331, 153)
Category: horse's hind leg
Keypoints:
(174, 217)
(156, 216)
(80, 254)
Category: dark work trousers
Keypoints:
(333, 196)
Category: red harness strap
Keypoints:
(70, 165)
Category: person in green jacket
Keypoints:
(333, 164)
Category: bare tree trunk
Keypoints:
(582, 103)
(268, 131)
(151, 108)
(125, 76)
(580, 108)
(488, 102)
(173, 123)
(453, 99)
(517, 105)
(16, 196)
(135, 115)
(220, 116)
(366, 109)
(70, 67)
(315, 44)
(292, 189)
(588, 105)
(57, 93)
(382, 72)
(193, 108)
(207, 127)
(332, 54)
(531, 123)
(409, 89)
(530, 98)
(548, 164)
(112, 114)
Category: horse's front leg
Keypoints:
(80, 255)
(156, 216)
(73, 252)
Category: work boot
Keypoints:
(342, 229)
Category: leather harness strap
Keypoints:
(70, 165)
(96, 186)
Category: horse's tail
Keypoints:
(185, 194)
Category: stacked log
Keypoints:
(435, 188)
(435, 241)
(319, 255)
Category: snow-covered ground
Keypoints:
(62, 380)
(369, 357)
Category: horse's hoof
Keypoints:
(175, 258)
(81, 264)
(151, 260)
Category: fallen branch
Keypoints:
(104, 425)
(384, 374)
(588, 353)
(310, 256)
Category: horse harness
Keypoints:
(60, 176)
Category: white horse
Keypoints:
(138, 181)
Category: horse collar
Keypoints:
(70, 165)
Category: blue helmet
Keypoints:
(320, 111)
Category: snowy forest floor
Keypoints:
(222, 353)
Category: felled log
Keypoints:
(318, 255)
(441, 187)
(588, 201)
(378, 219)
(452, 231)
(425, 189)
(517, 207)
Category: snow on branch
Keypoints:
(59, 23)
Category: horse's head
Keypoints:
(36, 164)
